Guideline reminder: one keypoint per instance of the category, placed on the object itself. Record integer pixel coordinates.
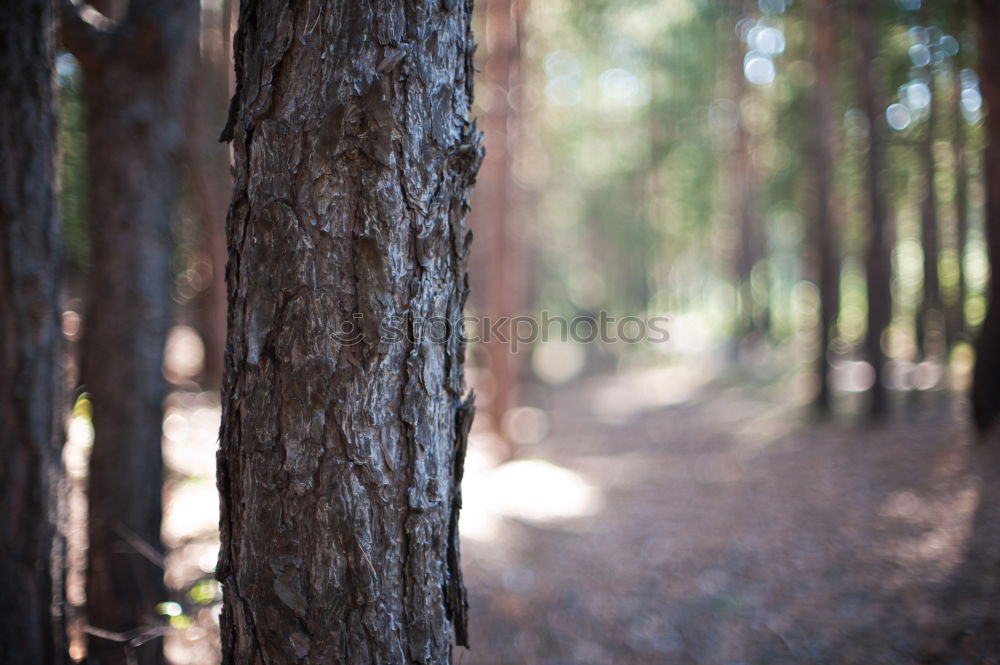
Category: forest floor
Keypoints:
(706, 525)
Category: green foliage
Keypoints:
(638, 102)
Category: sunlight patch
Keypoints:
(530, 490)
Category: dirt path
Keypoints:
(729, 533)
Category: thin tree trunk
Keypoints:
(751, 242)
(343, 431)
(986, 376)
(957, 325)
(929, 314)
(878, 265)
(31, 627)
(824, 229)
(136, 75)
(211, 191)
(498, 275)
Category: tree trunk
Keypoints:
(751, 247)
(211, 191)
(824, 230)
(31, 628)
(956, 324)
(343, 430)
(136, 75)
(929, 314)
(986, 376)
(878, 264)
(497, 273)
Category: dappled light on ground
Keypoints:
(942, 525)
(619, 398)
(532, 490)
(730, 530)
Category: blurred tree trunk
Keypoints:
(751, 245)
(31, 627)
(956, 325)
(211, 187)
(825, 245)
(878, 263)
(929, 314)
(986, 376)
(498, 273)
(343, 429)
(136, 73)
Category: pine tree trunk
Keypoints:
(986, 376)
(929, 314)
(344, 429)
(824, 229)
(956, 324)
(135, 82)
(497, 274)
(210, 191)
(30, 398)
(878, 265)
(751, 246)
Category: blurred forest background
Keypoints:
(792, 476)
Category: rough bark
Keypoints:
(31, 629)
(343, 431)
(986, 375)
(136, 74)
(825, 245)
(878, 264)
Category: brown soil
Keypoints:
(731, 533)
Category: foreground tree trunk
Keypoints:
(30, 436)
(878, 265)
(343, 431)
(986, 376)
(824, 229)
(136, 75)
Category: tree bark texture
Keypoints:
(344, 428)
(878, 263)
(31, 629)
(136, 75)
(986, 375)
(825, 244)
